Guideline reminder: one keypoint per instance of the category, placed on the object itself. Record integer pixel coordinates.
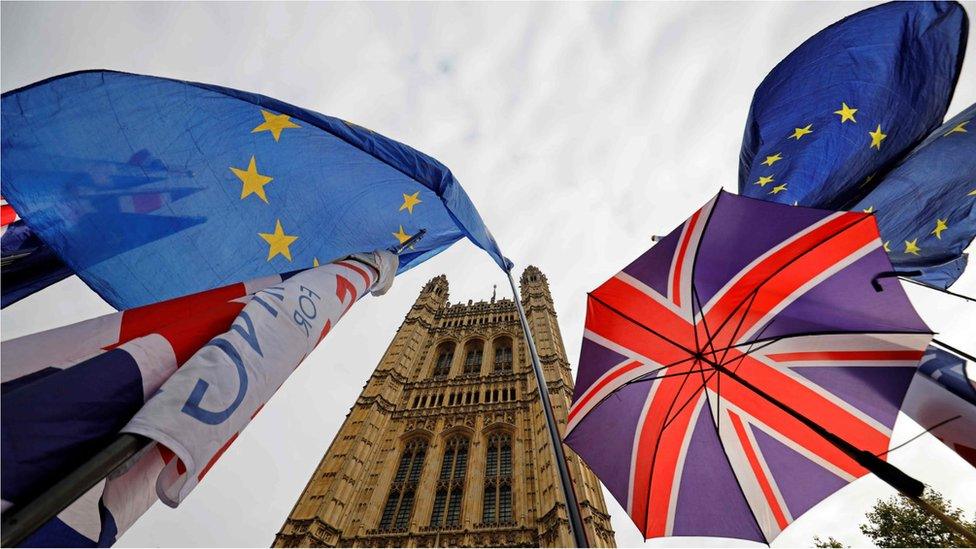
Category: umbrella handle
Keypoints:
(891, 274)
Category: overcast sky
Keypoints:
(578, 130)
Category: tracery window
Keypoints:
(503, 355)
(399, 503)
(445, 354)
(450, 483)
(472, 358)
(497, 502)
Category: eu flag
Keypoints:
(926, 206)
(844, 106)
(151, 188)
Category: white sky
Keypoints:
(579, 130)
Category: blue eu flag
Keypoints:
(926, 206)
(151, 188)
(843, 107)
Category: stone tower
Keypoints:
(447, 444)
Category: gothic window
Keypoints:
(396, 512)
(445, 354)
(503, 355)
(497, 503)
(450, 483)
(472, 358)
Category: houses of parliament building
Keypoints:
(447, 444)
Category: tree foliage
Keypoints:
(897, 522)
(829, 543)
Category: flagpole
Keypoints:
(572, 506)
(20, 522)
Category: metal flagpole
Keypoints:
(572, 506)
(20, 522)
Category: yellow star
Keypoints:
(940, 225)
(770, 160)
(401, 236)
(315, 262)
(960, 128)
(800, 132)
(278, 242)
(253, 181)
(763, 180)
(877, 137)
(409, 201)
(869, 209)
(886, 248)
(274, 123)
(846, 113)
(972, 193)
(912, 247)
(778, 189)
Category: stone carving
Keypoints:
(403, 406)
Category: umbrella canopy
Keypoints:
(703, 359)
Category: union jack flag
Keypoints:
(161, 371)
(781, 296)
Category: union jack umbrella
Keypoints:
(744, 368)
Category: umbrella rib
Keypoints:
(772, 275)
(696, 302)
(929, 430)
(657, 446)
(641, 379)
(694, 259)
(718, 383)
(644, 378)
(667, 414)
(725, 454)
(694, 267)
(778, 338)
(742, 320)
(718, 434)
(712, 373)
(746, 353)
(735, 333)
(635, 322)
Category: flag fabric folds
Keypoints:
(942, 398)
(201, 409)
(28, 263)
(7, 215)
(926, 206)
(850, 101)
(150, 188)
(831, 125)
(67, 392)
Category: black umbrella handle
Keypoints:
(891, 274)
(893, 476)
